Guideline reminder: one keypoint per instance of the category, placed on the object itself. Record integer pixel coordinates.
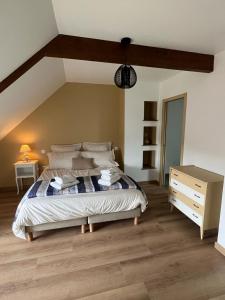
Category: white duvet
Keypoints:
(39, 210)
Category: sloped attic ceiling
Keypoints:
(191, 25)
(28, 25)
(96, 72)
(25, 27)
(28, 92)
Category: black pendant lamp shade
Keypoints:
(125, 77)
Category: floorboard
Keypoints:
(161, 258)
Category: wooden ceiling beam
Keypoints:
(26, 66)
(106, 51)
(21, 70)
(64, 46)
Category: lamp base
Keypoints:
(26, 158)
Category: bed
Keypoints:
(50, 210)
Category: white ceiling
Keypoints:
(28, 92)
(23, 34)
(194, 25)
(191, 25)
(25, 27)
(96, 72)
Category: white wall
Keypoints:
(134, 115)
(28, 92)
(25, 27)
(205, 120)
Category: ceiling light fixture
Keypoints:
(125, 77)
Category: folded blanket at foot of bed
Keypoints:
(88, 184)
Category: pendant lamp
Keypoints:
(125, 77)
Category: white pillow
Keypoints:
(101, 158)
(66, 148)
(97, 146)
(61, 160)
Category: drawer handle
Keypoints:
(197, 196)
(175, 183)
(196, 206)
(195, 216)
(199, 186)
(175, 174)
(173, 200)
(174, 191)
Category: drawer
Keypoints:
(190, 213)
(193, 183)
(187, 191)
(28, 171)
(189, 202)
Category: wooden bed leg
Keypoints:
(91, 227)
(83, 228)
(30, 236)
(201, 233)
(136, 221)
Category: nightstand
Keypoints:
(25, 170)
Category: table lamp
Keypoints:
(25, 149)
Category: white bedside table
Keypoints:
(25, 170)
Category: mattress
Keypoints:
(39, 210)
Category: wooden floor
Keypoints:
(162, 258)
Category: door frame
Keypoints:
(163, 131)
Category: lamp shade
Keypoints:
(25, 148)
(125, 77)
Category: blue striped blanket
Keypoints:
(88, 184)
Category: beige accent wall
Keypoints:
(77, 112)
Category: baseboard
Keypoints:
(156, 182)
(220, 248)
(13, 189)
(8, 189)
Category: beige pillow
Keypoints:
(66, 148)
(61, 160)
(81, 163)
(101, 158)
(97, 146)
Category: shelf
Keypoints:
(148, 168)
(149, 136)
(150, 111)
(148, 159)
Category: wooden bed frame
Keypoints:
(91, 220)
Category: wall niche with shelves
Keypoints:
(149, 136)
(150, 110)
(148, 159)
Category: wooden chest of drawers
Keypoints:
(197, 193)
